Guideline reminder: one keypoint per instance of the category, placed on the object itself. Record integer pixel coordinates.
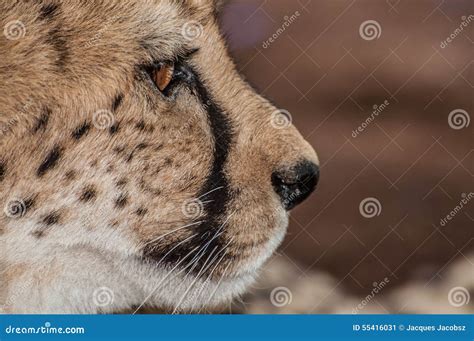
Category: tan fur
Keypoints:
(76, 62)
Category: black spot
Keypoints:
(119, 149)
(130, 156)
(121, 201)
(29, 203)
(121, 182)
(38, 233)
(81, 130)
(56, 38)
(141, 211)
(117, 101)
(3, 170)
(140, 125)
(51, 219)
(50, 161)
(48, 11)
(139, 147)
(114, 128)
(70, 175)
(167, 162)
(88, 193)
(42, 121)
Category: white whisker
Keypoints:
(174, 247)
(212, 271)
(169, 272)
(218, 284)
(212, 190)
(168, 233)
(193, 282)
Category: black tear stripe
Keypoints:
(215, 203)
(50, 161)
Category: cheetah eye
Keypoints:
(162, 75)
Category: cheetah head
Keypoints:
(135, 159)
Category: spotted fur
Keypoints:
(163, 198)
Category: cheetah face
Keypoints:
(143, 149)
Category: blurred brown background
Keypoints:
(414, 159)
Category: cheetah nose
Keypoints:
(295, 184)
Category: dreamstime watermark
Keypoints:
(464, 23)
(458, 296)
(15, 208)
(103, 297)
(191, 300)
(377, 289)
(20, 112)
(288, 20)
(14, 30)
(466, 198)
(21, 290)
(377, 110)
(370, 207)
(370, 30)
(192, 30)
(281, 296)
(100, 32)
(459, 119)
(193, 208)
(177, 134)
(281, 119)
(8, 125)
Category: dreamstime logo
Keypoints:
(370, 30)
(281, 119)
(15, 208)
(459, 119)
(103, 297)
(458, 296)
(281, 296)
(193, 208)
(14, 30)
(103, 119)
(192, 30)
(370, 207)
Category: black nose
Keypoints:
(295, 184)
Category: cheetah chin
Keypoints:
(137, 167)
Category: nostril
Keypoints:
(295, 184)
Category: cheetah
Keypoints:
(137, 167)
